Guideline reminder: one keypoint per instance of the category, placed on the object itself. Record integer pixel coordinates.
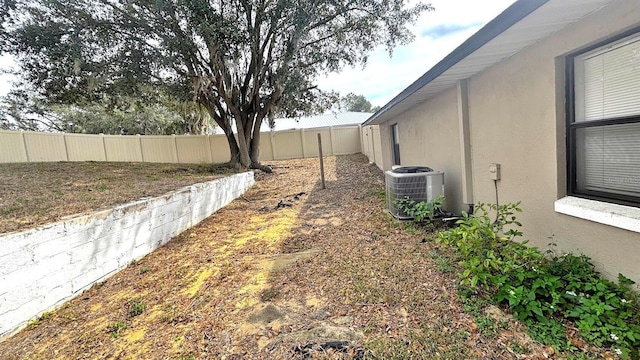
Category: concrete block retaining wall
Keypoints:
(43, 267)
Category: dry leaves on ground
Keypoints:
(33, 194)
(287, 271)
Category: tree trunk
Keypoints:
(243, 143)
(255, 149)
(245, 150)
(234, 161)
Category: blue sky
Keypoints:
(437, 34)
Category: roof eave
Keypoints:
(495, 27)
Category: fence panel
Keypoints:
(365, 138)
(45, 146)
(377, 147)
(12, 148)
(20, 146)
(288, 144)
(83, 147)
(159, 149)
(193, 149)
(346, 140)
(266, 146)
(122, 148)
(311, 142)
(219, 148)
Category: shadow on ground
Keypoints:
(289, 270)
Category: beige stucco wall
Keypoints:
(429, 136)
(517, 119)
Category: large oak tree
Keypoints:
(243, 60)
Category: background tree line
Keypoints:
(240, 62)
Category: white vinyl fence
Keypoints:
(371, 144)
(27, 146)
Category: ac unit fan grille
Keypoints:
(417, 187)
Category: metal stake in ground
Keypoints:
(321, 160)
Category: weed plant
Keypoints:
(116, 329)
(421, 211)
(136, 307)
(545, 291)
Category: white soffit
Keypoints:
(549, 18)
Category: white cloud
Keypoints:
(442, 30)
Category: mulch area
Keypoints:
(289, 270)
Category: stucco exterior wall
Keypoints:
(517, 119)
(429, 136)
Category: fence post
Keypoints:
(141, 149)
(209, 151)
(302, 141)
(66, 148)
(373, 145)
(332, 139)
(104, 147)
(175, 147)
(321, 160)
(24, 144)
(273, 144)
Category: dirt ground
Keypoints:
(33, 194)
(289, 270)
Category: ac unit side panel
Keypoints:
(435, 186)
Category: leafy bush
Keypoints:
(422, 210)
(544, 291)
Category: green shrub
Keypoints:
(422, 210)
(544, 291)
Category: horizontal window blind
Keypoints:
(608, 82)
(608, 159)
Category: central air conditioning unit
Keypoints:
(417, 183)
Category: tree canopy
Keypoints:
(356, 103)
(244, 61)
(151, 113)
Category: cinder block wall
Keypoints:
(43, 267)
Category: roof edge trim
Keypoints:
(510, 16)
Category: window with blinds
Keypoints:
(604, 129)
(395, 144)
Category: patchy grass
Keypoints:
(328, 276)
(116, 329)
(33, 194)
(35, 322)
(136, 307)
